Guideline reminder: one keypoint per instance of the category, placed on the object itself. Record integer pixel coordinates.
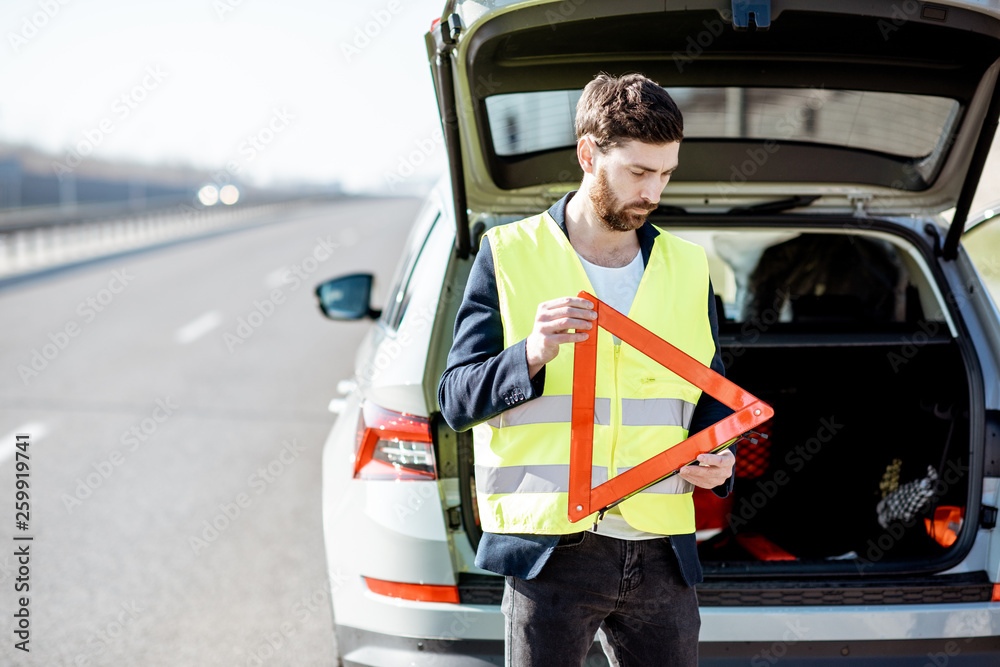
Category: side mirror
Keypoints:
(347, 297)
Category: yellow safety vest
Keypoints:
(641, 408)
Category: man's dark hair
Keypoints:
(616, 109)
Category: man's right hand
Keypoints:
(553, 320)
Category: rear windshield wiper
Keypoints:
(774, 206)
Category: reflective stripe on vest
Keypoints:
(635, 412)
(549, 410)
(554, 478)
(640, 409)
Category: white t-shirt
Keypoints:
(617, 288)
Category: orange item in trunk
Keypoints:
(762, 548)
(946, 524)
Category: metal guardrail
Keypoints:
(30, 217)
(19, 219)
(42, 237)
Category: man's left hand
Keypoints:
(711, 471)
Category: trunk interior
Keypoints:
(852, 422)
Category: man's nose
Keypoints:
(650, 192)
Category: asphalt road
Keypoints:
(174, 457)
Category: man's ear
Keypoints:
(585, 150)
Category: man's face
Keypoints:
(628, 181)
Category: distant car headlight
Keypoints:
(229, 194)
(208, 195)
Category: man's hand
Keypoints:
(553, 320)
(711, 471)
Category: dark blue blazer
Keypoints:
(483, 379)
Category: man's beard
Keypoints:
(616, 217)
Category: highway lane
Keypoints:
(175, 460)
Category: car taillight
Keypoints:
(393, 446)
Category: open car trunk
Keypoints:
(853, 422)
(846, 337)
(823, 124)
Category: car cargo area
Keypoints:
(852, 423)
(845, 337)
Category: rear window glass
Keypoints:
(909, 126)
(399, 296)
(788, 279)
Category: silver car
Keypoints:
(832, 153)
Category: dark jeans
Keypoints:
(629, 593)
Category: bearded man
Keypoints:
(627, 575)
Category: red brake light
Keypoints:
(393, 446)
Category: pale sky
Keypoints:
(278, 89)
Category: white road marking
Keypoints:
(36, 430)
(199, 327)
(276, 278)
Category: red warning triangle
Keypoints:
(584, 500)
